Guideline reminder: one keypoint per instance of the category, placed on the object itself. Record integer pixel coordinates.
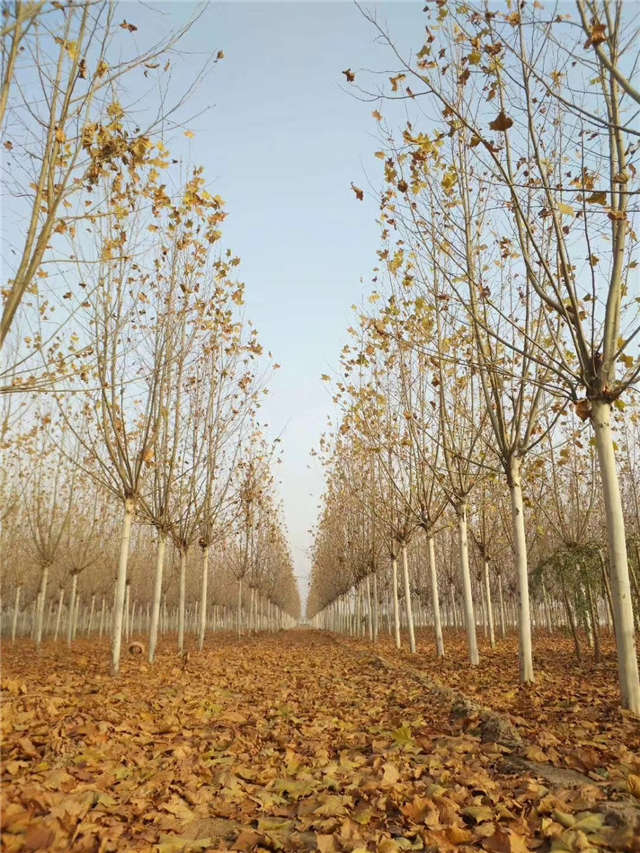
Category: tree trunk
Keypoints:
(407, 600)
(157, 595)
(182, 596)
(396, 606)
(503, 626)
(376, 603)
(621, 588)
(127, 611)
(43, 598)
(203, 598)
(72, 608)
(520, 549)
(239, 606)
(595, 626)
(571, 620)
(469, 616)
(607, 586)
(487, 592)
(435, 600)
(91, 609)
(121, 580)
(16, 610)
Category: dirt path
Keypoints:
(293, 742)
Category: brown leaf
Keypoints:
(38, 837)
(390, 776)
(583, 409)
(501, 122)
(597, 35)
(349, 75)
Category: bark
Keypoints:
(407, 600)
(181, 602)
(621, 589)
(16, 610)
(43, 598)
(91, 610)
(376, 603)
(487, 593)
(369, 609)
(547, 608)
(469, 616)
(396, 606)
(594, 622)
(203, 599)
(121, 581)
(72, 608)
(503, 626)
(59, 614)
(607, 586)
(520, 548)
(571, 620)
(435, 600)
(127, 610)
(157, 596)
(239, 606)
(452, 605)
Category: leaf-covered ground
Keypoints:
(570, 717)
(304, 741)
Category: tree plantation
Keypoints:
(457, 666)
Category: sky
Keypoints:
(281, 136)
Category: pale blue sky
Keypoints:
(281, 141)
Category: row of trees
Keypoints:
(124, 316)
(510, 322)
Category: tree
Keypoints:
(59, 102)
(556, 154)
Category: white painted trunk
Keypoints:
(376, 602)
(76, 616)
(91, 610)
(487, 592)
(396, 606)
(619, 567)
(522, 575)
(157, 596)
(72, 608)
(121, 581)
(43, 598)
(547, 608)
(102, 613)
(452, 604)
(16, 610)
(503, 625)
(59, 615)
(369, 609)
(407, 599)
(203, 597)
(34, 616)
(239, 606)
(435, 599)
(469, 616)
(127, 611)
(181, 602)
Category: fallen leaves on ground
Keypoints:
(297, 741)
